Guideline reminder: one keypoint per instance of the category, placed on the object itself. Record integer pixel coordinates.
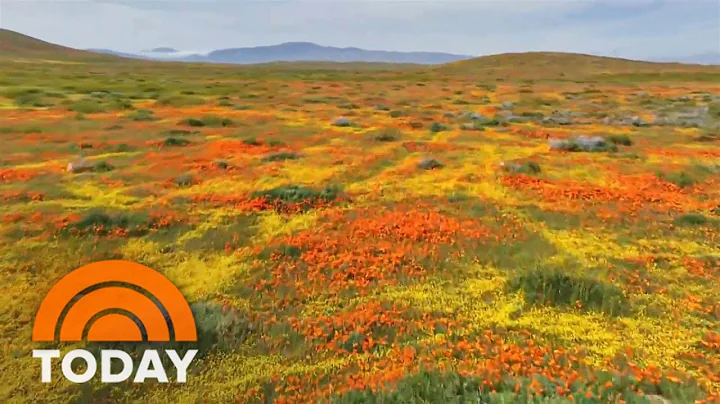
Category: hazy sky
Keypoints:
(625, 28)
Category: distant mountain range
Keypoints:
(292, 52)
(709, 58)
(307, 51)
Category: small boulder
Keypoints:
(79, 165)
(429, 164)
(507, 105)
(342, 121)
(636, 121)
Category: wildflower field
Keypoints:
(384, 234)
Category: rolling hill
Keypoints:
(16, 45)
(303, 55)
(558, 65)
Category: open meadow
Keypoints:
(376, 233)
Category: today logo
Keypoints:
(119, 301)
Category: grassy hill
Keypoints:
(14, 45)
(558, 65)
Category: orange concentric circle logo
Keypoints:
(115, 300)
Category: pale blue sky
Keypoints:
(625, 28)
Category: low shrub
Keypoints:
(251, 141)
(180, 100)
(142, 115)
(175, 141)
(681, 179)
(298, 195)
(437, 127)
(184, 180)
(691, 219)
(583, 144)
(623, 140)
(220, 328)
(281, 156)
(386, 135)
(559, 289)
(212, 121)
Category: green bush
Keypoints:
(251, 141)
(212, 121)
(99, 222)
(558, 289)
(691, 219)
(193, 122)
(532, 114)
(215, 121)
(386, 135)
(87, 106)
(102, 166)
(90, 105)
(623, 140)
(298, 194)
(184, 180)
(173, 132)
(680, 179)
(220, 329)
(437, 127)
(180, 100)
(529, 167)
(281, 156)
(222, 164)
(175, 141)
(142, 115)
(97, 166)
(582, 144)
